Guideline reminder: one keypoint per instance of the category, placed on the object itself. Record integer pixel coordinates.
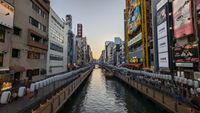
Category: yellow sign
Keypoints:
(6, 86)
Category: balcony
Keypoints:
(37, 44)
(37, 40)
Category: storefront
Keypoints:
(5, 79)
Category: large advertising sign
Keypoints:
(186, 54)
(6, 14)
(182, 16)
(134, 16)
(162, 36)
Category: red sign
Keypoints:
(182, 16)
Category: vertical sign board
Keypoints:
(182, 17)
(162, 37)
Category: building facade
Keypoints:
(138, 35)
(6, 31)
(71, 38)
(29, 44)
(56, 58)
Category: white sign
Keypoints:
(162, 30)
(6, 14)
(163, 60)
(161, 3)
(162, 45)
(135, 39)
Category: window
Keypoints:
(35, 38)
(37, 9)
(2, 35)
(15, 53)
(44, 28)
(33, 55)
(33, 72)
(37, 24)
(33, 22)
(17, 31)
(56, 47)
(1, 59)
(45, 41)
(54, 57)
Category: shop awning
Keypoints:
(4, 69)
(17, 68)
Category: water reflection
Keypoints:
(108, 95)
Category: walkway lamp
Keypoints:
(185, 81)
(175, 78)
(196, 84)
(190, 82)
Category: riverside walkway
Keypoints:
(139, 81)
(27, 103)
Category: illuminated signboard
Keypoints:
(134, 16)
(182, 16)
(6, 14)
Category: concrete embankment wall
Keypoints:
(57, 101)
(167, 102)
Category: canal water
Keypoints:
(100, 94)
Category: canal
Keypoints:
(100, 94)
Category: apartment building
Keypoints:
(29, 43)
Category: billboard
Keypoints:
(6, 14)
(134, 16)
(182, 17)
(186, 54)
(162, 37)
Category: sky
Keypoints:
(102, 19)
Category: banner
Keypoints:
(182, 17)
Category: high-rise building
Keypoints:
(71, 38)
(57, 50)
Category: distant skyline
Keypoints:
(102, 19)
